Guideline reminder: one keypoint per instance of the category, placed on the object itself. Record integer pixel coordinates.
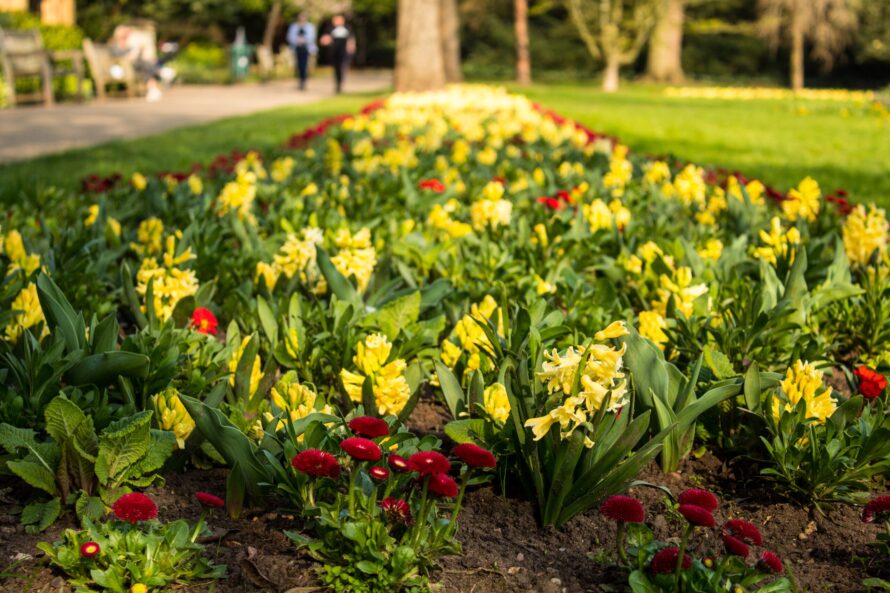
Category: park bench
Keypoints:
(23, 55)
(107, 70)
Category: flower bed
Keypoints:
(580, 316)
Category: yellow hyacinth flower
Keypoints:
(496, 403)
(652, 326)
(372, 352)
(803, 201)
(139, 181)
(171, 415)
(256, 372)
(803, 382)
(28, 313)
(864, 232)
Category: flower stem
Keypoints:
(460, 498)
(352, 480)
(619, 543)
(421, 516)
(682, 552)
(199, 525)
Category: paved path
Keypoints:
(32, 131)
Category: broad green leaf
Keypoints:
(121, 445)
(39, 515)
(60, 314)
(90, 507)
(267, 320)
(451, 389)
(35, 474)
(399, 314)
(467, 430)
(105, 367)
(339, 284)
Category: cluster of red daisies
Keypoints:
(430, 466)
(871, 383)
(697, 506)
(204, 321)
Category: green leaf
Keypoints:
(121, 445)
(753, 389)
(267, 320)
(244, 370)
(399, 314)
(35, 474)
(65, 421)
(105, 368)
(60, 314)
(90, 507)
(647, 366)
(718, 362)
(339, 284)
(162, 443)
(466, 430)
(451, 389)
(40, 515)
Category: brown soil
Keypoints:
(503, 548)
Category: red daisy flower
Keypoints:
(769, 562)
(135, 507)
(697, 515)
(665, 561)
(432, 185)
(398, 464)
(316, 463)
(735, 546)
(89, 549)
(745, 531)
(700, 498)
(362, 449)
(474, 456)
(368, 426)
(379, 473)
(552, 203)
(623, 508)
(210, 500)
(876, 507)
(443, 485)
(871, 383)
(204, 321)
(396, 510)
(429, 462)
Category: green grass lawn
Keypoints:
(779, 142)
(775, 141)
(173, 150)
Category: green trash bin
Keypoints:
(240, 61)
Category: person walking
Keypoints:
(301, 38)
(342, 46)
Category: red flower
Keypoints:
(745, 531)
(623, 508)
(876, 507)
(665, 561)
(135, 507)
(396, 510)
(474, 456)
(316, 463)
(443, 485)
(735, 546)
(769, 562)
(379, 473)
(90, 549)
(361, 449)
(433, 185)
(871, 383)
(700, 498)
(564, 195)
(551, 203)
(210, 500)
(204, 321)
(427, 463)
(697, 515)
(368, 426)
(398, 464)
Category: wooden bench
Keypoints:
(23, 55)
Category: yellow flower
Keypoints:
(256, 373)
(649, 251)
(450, 353)
(777, 242)
(371, 354)
(652, 326)
(170, 284)
(171, 415)
(150, 237)
(598, 215)
(865, 232)
(543, 287)
(491, 210)
(282, 168)
(356, 262)
(496, 403)
(19, 258)
(803, 382)
(689, 185)
(92, 215)
(238, 196)
(391, 389)
(139, 181)
(803, 201)
(682, 290)
(138, 588)
(196, 186)
(657, 172)
(295, 400)
(712, 250)
(268, 273)
(28, 313)
(616, 329)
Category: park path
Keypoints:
(27, 132)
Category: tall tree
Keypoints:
(420, 60)
(449, 33)
(523, 58)
(614, 31)
(664, 60)
(827, 24)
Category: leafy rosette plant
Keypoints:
(134, 551)
(377, 507)
(659, 567)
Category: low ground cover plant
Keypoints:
(576, 308)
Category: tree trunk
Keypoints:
(449, 32)
(272, 25)
(523, 58)
(664, 62)
(420, 64)
(797, 57)
(610, 75)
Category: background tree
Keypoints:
(614, 31)
(664, 59)
(420, 60)
(523, 55)
(827, 24)
(449, 32)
